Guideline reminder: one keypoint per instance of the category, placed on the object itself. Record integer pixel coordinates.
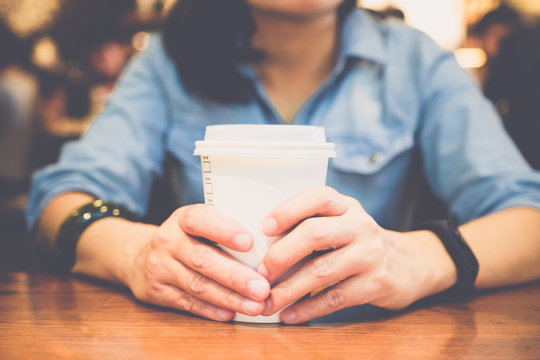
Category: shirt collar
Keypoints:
(362, 38)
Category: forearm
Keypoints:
(53, 216)
(507, 246)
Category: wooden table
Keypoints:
(46, 316)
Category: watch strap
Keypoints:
(76, 223)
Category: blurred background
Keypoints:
(60, 59)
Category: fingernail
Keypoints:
(269, 226)
(250, 307)
(262, 270)
(223, 315)
(242, 241)
(258, 288)
(288, 316)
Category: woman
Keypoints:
(385, 94)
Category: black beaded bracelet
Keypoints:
(74, 225)
(461, 254)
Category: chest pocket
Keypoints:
(369, 153)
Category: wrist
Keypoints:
(461, 254)
(134, 245)
(106, 249)
(432, 269)
(76, 223)
(441, 267)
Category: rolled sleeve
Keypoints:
(470, 161)
(122, 151)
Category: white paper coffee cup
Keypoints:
(247, 170)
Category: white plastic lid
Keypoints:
(265, 140)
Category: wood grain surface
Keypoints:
(44, 316)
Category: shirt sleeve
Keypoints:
(469, 159)
(122, 151)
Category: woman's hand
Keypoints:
(177, 270)
(366, 264)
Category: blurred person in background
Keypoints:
(17, 111)
(94, 37)
(43, 106)
(513, 84)
(18, 94)
(494, 27)
(487, 34)
(511, 75)
(395, 104)
(94, 42)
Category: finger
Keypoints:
(315, 201)
(173, 297)
(332, 299)
(321, 271)
(206, 289)
(208, 260)
(371, 287)
(313, 234)
(204, 221)
(216, 264)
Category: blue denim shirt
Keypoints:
(394, 98)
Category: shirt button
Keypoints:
(375, 158)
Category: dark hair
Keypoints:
(389, 12)
(83, 25)
(208, 39)
(504, 15)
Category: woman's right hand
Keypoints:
(175, 269)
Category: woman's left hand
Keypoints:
(366, 264)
